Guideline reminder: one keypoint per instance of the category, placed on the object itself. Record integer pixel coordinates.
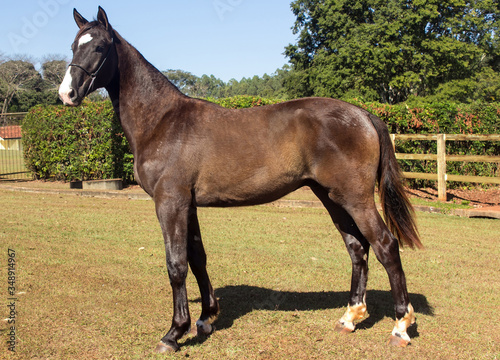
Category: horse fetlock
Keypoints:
(407, 320)
(352, 314)
(400, 327)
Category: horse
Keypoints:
(191, 153)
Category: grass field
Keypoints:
(91, 283)
(11, 161)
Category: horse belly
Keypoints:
(249, 181)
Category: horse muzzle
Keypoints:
(68, 94)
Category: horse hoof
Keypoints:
(342, 329)
(397, 341)
(205, 330)
(163, 348)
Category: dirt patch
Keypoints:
(475, 197)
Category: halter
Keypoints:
(94, 74)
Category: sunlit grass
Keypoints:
(96, 284)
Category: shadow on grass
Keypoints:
(237, 301)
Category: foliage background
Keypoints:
(390, 51)
(393, 50)
(442, 118)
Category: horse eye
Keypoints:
(99, 49)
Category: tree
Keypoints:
(484, 86)
(209, 86)
(184, 80)
(388, 50)
(270, 86)
(17, 76)
(53, 71)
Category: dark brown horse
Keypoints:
(190, 153)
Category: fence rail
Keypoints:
(441, 157)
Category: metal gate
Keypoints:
(12, 165)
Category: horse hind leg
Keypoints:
(198, 262)
(358, 249)
(386, 248)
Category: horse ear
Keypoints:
(103, 18)
(79, 19)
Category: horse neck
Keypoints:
(140, 93)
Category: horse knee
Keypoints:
(177, 272)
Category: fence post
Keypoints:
(393, 140)
(441, 166)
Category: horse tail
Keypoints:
(398, 211)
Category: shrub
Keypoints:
(87, 142)
(243, 101)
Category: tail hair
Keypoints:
(398, 212)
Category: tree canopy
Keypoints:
(22, 86)
(388, 50)
(270, 86)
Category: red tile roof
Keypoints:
(10, 132)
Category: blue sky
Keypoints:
(226, 38)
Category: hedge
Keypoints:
(243, 101)
(88, 143)
(83, 143)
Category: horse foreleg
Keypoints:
(173, 216)
(198, 263)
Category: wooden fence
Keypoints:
(441, 157)
(12, 165)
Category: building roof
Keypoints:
(10, 132)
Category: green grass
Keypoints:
(282, 276)
(11, 161)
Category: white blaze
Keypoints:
(65, 89)
(84, 39)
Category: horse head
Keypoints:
(94, 59)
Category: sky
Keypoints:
(229, 39)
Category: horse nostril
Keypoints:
(72, 94)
